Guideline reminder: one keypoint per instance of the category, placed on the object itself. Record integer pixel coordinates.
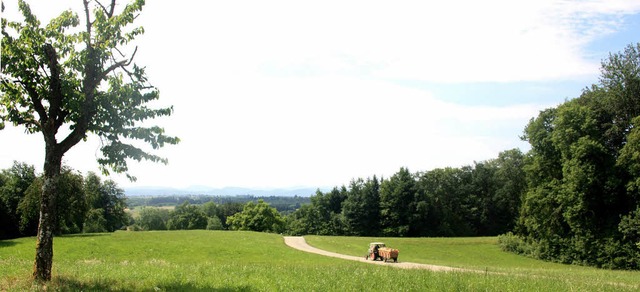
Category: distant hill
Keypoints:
(223, 192)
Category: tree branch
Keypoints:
(35, 100)
(103, 8)
(78, 133)
(119, 64)
(88, 18)
(112, 7)
(89, 85)
(55, 88)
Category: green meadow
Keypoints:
(250, 261)
(481, 254)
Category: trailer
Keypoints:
(387, 254)
(379, 251)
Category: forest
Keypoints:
(84, 204)
(481, 199)
(582, 203)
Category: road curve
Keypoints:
(299, 243)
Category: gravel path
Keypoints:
(299, 243)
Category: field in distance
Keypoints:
(250, 261)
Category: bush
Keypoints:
(214, 223)
(515, 244)
(95, 222)
(135, 227)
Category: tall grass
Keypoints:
(481, 254)
(237, 261)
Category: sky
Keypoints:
(283, 94)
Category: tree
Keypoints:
(107, 199)
(59, 76)
(227, 210)
(303, 221)
(322, 217)
(214, 223)
(396, 198)
(361, 208)
(443, 203)
(328, 208)
(257, 217)
(510, 179)
(14, 183)
(153, 218)
(187, 217)
(212, 211)
(95, 222)
(582, 201)
(72, 206)
(629, 158)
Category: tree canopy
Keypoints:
(480, 199)
(582, 203)
(78, 208)
(257, 217)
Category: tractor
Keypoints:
(379, 251)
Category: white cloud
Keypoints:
(325, 131)
(443, 41)
(281, 93)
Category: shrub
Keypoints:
(214, 223)
(512, 243)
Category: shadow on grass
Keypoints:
(68, 284)
(6, 243)
(85, 235)
(190, 287)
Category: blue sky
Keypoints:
(294, 93)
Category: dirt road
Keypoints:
(299, 243)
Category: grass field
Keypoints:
(478, 253)
(248, 261)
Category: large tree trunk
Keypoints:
(47, 222)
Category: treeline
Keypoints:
(84, 204)
(481, 199)
(89, 205)
(255, 216)
(582, 204)
(187, 216)
(282, 204)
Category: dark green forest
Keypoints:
(582, 203)
(574, 197)
(482, 199)
(84, 204)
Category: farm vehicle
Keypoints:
(379, 251)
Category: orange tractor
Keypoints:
(379, 251)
